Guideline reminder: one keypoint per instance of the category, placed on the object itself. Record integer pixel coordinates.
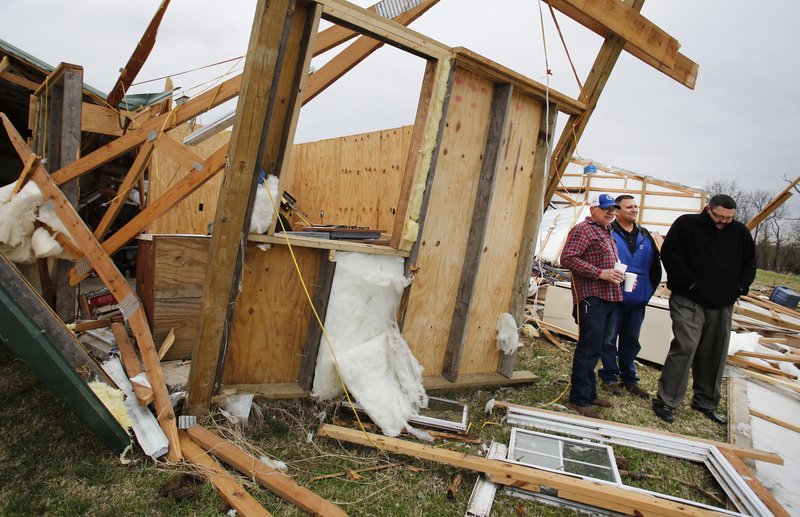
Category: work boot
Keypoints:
(602, 403)
(587, 411)
(636, 390)
(613, 388)
(663, 411)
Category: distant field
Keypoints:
(767, 280)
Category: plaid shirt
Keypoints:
(589, 249)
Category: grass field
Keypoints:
(767, 280)
(53, 466)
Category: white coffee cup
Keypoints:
(630, 281)
(619, 266)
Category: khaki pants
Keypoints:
(701, 338)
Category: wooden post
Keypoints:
(501, 100)
(277, 60)
(322, 293)
(60, 144)
(535, 208)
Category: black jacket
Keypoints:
(709, 266)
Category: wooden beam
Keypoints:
(159, 124)
(32, 163)
(501, 101)
(680, 68)
(592, 88)
(19, 81)
(115, 283)
(602, 495)
(475, 380)
(116, 204)
(4, 64)
(275, 481)
(131, 361)
(533, 210)
(626, 23)
(772, 206)
(738, 361)
(786, 358)
(377, 27)
(777, 421)
(336, 34)
(223, 482)
(137, 59)
(776, 381)
(167, 344)
(322, 293)
(102, 119)
(277, 62)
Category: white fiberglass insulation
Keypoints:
(19, 239)
(378, 368)
(263, 207)
(507, 334)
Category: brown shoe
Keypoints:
(613, 388)
(602, 403)
(588, 411)
(636, 390)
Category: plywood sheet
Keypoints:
(193, 214)
(444, 238)
(506, 218)
(271, 317)
(354, 180)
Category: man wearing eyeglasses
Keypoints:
(590, 254)
(710, 261)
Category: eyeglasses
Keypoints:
(720, 218)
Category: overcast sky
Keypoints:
(741, 122)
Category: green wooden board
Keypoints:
(31, 330)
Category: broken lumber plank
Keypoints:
(137, 59)
(357, 471)
(550, 337)
(273, 480)
(776, 421)
(752, 481)
(786, 358)
(772, 318)
(223, 482)
(564, 332)
(167, 344)
(602, 495)
(742, 452)
(760, 367)
(626, 23)
(131, 361)
(776, 381)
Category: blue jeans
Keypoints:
(595, 324)
(623, 347)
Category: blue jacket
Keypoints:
(644, 261)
